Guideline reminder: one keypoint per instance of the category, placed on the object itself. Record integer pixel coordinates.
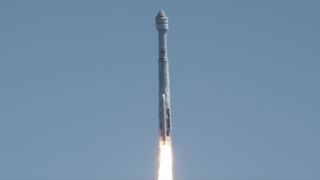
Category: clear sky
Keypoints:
(78, 89)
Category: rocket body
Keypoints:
(164, 82)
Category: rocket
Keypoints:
(164, 82)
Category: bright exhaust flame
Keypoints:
(165, 161)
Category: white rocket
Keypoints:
(164, 82)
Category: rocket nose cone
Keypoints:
(162, 21)
(161, 14)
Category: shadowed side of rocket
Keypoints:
(164, 82)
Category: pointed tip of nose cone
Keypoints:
(162, 14)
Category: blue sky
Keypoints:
(78, 89)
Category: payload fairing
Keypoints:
(164, 82)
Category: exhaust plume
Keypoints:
(165, 161)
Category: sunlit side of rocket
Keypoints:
(164, 82)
